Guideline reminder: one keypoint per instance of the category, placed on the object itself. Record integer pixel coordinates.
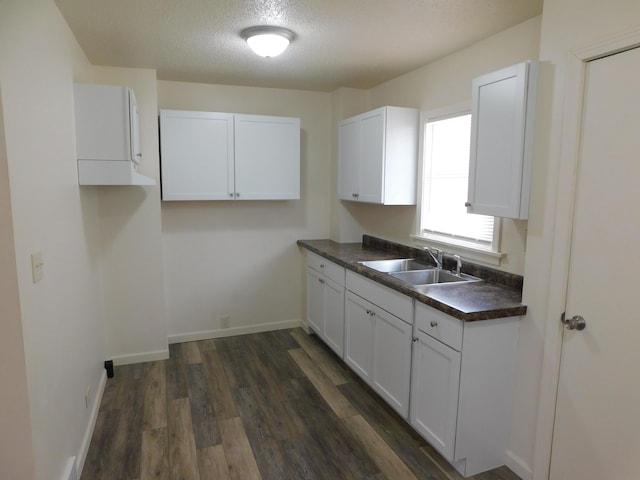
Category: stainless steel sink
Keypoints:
(397, 265)
(432, 276)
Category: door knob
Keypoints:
(574, 323)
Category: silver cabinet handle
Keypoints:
(320, 280)
(467, 204)
(433, 324)
(415, 339)
(231, 195)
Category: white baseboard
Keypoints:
(86, 439)
(141, 357)
(231, 332)
(519, 466)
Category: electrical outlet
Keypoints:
(87, 397)
(224, 321)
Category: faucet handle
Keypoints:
(458, 264)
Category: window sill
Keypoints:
(465, 249)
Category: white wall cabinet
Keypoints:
(378, 339)
(503, 117)
(225, 156)
(462, 387)
(325, 301)
(378, 153)
(107, 135)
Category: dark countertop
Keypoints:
(499, 296)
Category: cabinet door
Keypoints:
(371, 169)
(502, 141)
(349, 159)
(334, 316)
(197, 155)
(435, 383)
(315, 301)
(392, 360)
(267, 154)
(358, 324)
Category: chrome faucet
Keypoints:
(436, 254)
(458, 264)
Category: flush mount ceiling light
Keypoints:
(267, 41)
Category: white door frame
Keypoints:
(569, 157)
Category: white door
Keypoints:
(435, 382)
(372, 156)
(349, 159)
(392, 360)
(358, 326)
(267, 157)
(196, 149)
(597, 422)
(334, 316)
(315, 301)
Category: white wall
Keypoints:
(444, 83)
(131, 236)
(16, 450)
(567, 25)
(62, 319)
(240, 259)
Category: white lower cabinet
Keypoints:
(359, 325)
(325, 301)
(462, 387)
(378, 343)
(392, 360)
(435, 379)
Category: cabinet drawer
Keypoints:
(329, 269)
(393, 302)
(439, 325)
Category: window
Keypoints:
(445, 171)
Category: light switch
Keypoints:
(37, 267)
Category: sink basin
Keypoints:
(432, 276)
(397, 265)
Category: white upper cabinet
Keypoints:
(197, 155)
(107, 135)
(225, 156)
(378, 153)
(503, 117)
(267, 154)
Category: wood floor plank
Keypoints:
(393, 429)
(279, 415)
(223, 403)
(325, 386)
(176, 373)
(242, 464)
(323, 359)
(191, 353)
(205, 427)
(181, 443)
(155, 397)
(212, 463)
(383, 456)
(154, 463)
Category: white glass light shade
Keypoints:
(267, 41)
(268, 45)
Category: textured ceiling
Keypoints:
(351, 43)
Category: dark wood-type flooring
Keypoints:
(272, 406)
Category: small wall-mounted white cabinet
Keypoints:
(225, 156)
(503, 117)
(378, 153)
(378, 339)
(462, 386)
(325, 301)
(107, 135)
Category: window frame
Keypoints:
(469, 249)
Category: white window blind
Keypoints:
(445, 183)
